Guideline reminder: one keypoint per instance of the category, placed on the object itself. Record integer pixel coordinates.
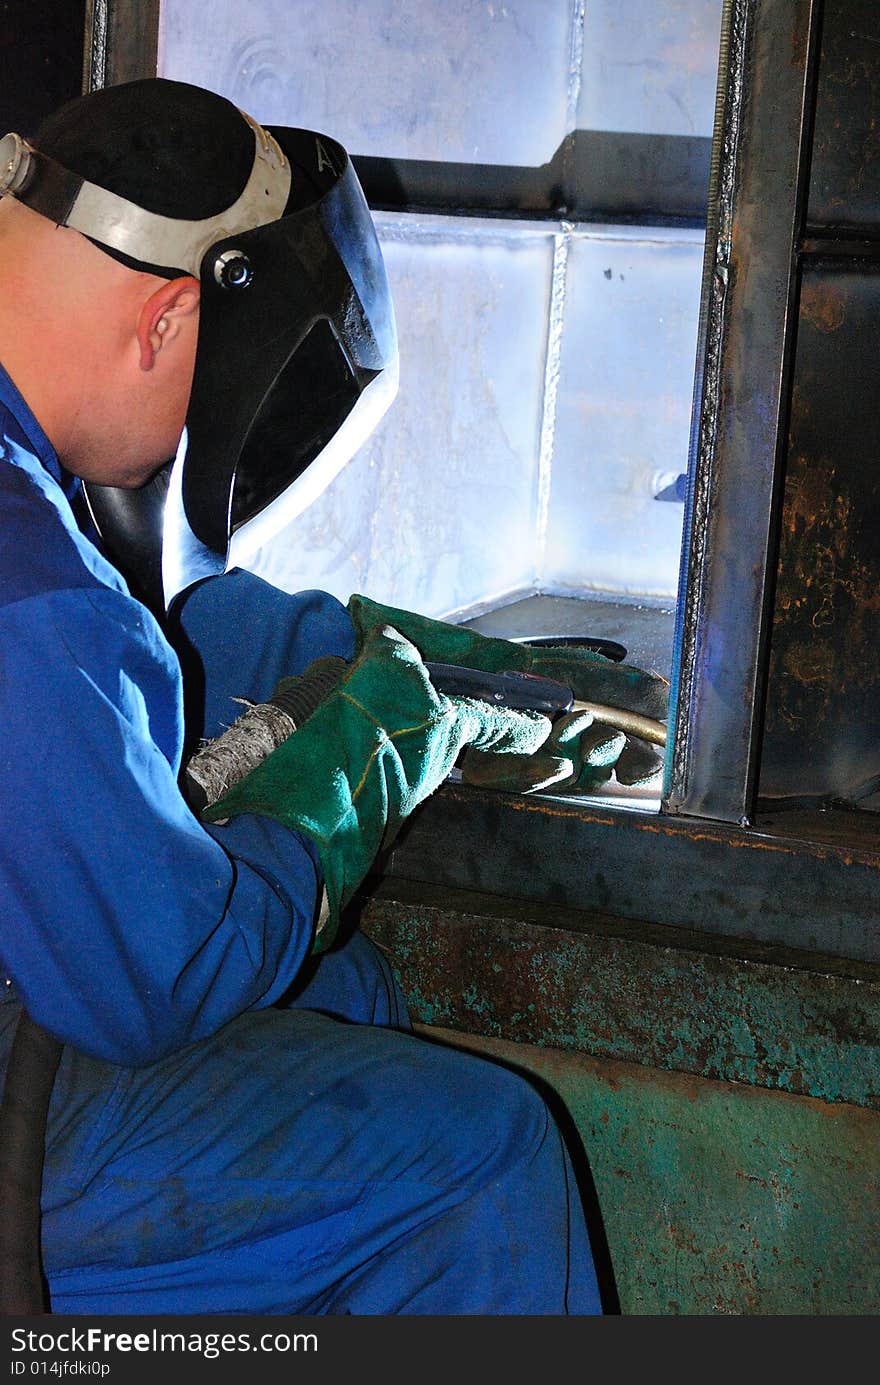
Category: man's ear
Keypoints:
(163, 314)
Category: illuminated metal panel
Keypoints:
(543, 402)
(517, 457)
(650, 68)
(622, 410)
(458, 81)
(437, 511)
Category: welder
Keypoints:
(195, 335)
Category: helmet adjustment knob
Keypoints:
(233, 270)
(15, 163)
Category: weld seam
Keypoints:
(555, 323)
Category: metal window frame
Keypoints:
(757, 211)
(711, 860)
(120, 43)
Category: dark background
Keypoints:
(41, 59)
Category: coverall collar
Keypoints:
(32, 435)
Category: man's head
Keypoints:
(103, 354)
(173, 260)
(108, 319)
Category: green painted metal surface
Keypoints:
(720, 1198)
(727, 1095)
(661, 997)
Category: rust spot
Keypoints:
(809, 663)
(823, 304)
(683, 1239)
(752, 1178)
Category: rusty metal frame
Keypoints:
(757, 212)
(803, 881)
(120, 41)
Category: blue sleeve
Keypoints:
(128, 929)
(237, 635)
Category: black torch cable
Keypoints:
(30, 1077)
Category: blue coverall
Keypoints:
(233, 1129)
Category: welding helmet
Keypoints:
(296, 358)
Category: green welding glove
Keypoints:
(582, 753)
(579, 756)
(378, 744)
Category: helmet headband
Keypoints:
(160, 242)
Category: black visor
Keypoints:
(285, 354)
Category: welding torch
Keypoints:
(224, 761)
